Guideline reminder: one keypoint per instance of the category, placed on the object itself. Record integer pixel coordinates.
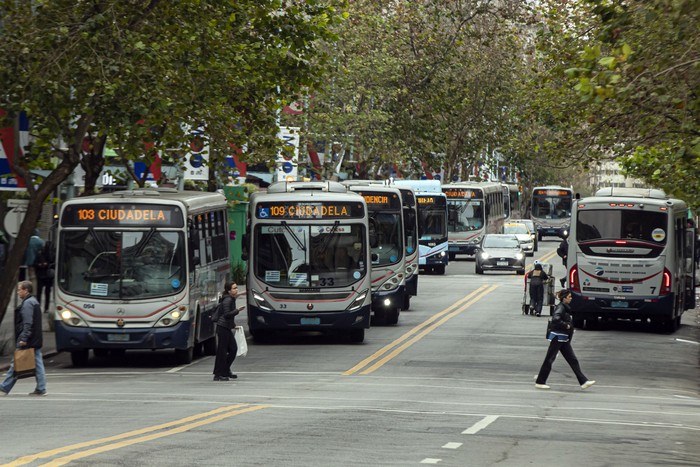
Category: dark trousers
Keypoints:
(568, 352)
(536, 298)
(226, 349)
(45, 286)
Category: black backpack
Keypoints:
(218, 312)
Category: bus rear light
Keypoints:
(573, 279)
(666, 283)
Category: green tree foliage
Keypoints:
(634, 69)
(413, 79)
(147, 72)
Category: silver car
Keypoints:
(530, 225)
(500, 252)
(524, 235)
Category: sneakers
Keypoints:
(3, 393)
(587, 384)
(541, 386)
(36, 392)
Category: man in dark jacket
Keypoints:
(563, 251)
(28, 335)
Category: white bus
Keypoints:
(140, 270)
(631, 257)
(512, 204)
(385, 207)
(432, 224)
(410, 237)
(550, 210)
(309, 266)
(474, 210)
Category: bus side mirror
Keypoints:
(195, 260)
(375, 258)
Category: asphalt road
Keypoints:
(451, 384)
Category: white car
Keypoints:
(530, 225)
(523, 234)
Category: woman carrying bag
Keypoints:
(559, 336)
(225, 323)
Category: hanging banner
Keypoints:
(8, 180)
(288, 158)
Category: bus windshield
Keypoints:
(611, 224)
(121, 264)
(551, 207)
(328, 255)
(384, 228)
(432, 222)
(465, 215)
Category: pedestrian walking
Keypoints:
(563, 251)
(28, 335)
(537, 279)
(45, 271)
(560, 335)
(226, 347)
(36, 243)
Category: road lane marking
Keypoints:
(430, 460)
(53, 452)
(480, 425)
(411, 337)
(452, 445)
(687, 341)
(173, 431)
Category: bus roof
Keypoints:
(193, 200)
(421, 186)
(632, 192)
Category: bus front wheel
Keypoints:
(357, 335)
(79, 357)
(184, 356)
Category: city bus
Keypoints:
(410, 237)
(473, 210)
(386, 226)
(631, 257)
(432, 224)
(512, 207)
(140, 269)
(550, 210)
(309, 264)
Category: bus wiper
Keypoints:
(328, 237)
(299, 243)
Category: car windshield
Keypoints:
(501, 242)
(515, 229)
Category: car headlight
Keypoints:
(519, 256)
(72, 319)
(357, 303)
(173, 317)
(484, 255)
(261, 302)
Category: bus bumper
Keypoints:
(638, 308)
(70, 338)
(412, 285)
(462, 248)
(552, 231)
(259, 319)
(437, 259)
(388, 300)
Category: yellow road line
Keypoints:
(110, 447)
(395, 348)
(45, 454)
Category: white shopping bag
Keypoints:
(239, 335)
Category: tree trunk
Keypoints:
(92, 162)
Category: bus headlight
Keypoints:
(171, 318)
(72, 319)
(261, 302)
(357, 303)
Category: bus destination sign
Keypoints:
(380, 200)
(544, 192)
(296, 210)
(431, 200)
(462, 193)
(121, 215)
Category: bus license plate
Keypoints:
(118, 337)
(618, 304)
(310, 320)
(501, 263)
